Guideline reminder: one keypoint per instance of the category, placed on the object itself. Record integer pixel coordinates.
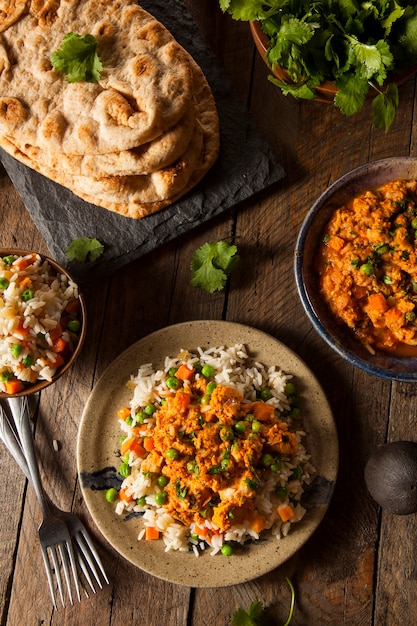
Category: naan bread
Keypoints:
(133, 142)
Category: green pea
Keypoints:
(414, 223)
(194, 537)
(8, 260)
(140, 417)
(281, 491)
(28, 360)
(150, 409)
(297, 473)
(207, 371)
(74, 325)
(295, 412)
(129, 420)
(162, 481)
(124, 470)
(192, 466)
(161, 497)
(227, 550)
(240, 427)
(290, 389)
(205, 399)
(141, 501)
(4, 283)
(267, 460)
(172, 371)
(367, 269)
(27, 295)
(121, 439)
(385, 248)
(112, 495)
(211, 387)
(172, 382)
(256, 426)
(16, 349)
(171, 454)
(276, 465)
(266, 394)
(410, 316)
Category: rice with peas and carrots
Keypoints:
(39, 320)
(211, 451)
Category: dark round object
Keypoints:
(391, 477)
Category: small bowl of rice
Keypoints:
(42, 322)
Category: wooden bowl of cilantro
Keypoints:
(335, 51)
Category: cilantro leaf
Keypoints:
(249, 618)
(384, 107)
(212, 264)
(77, 58)
(83, 249)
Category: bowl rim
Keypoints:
(333, 343)
(42, 384)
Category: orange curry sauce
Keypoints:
(367, 267)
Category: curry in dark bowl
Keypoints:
(356, 269)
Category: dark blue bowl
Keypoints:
(337, 335)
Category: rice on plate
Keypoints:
(39, 320)
(212, 451)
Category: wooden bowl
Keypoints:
(327, 90)
(41, 384)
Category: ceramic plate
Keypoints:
(97, 456)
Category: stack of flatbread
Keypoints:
(133, 142)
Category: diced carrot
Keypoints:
(59, 344)
(24, 262)
(182, 400)
(56, 332)
(184, 372)
(132, 444)
(201, 531)
(13, 386)
(336, 242)
(151, 533)
(125, 447)
(59, 361)
(394, 317)
(21, 331)
(73, 306)
(148, 443)
(258, 524)
(262, 411)
(123, 413)
(124, 497)
(285, 511)
(25, 281)
(377, 302)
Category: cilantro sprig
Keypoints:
(77, 58)
(83, 249)
(355, 45)
(212, 264)
(255, 615)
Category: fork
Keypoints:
(74, 533)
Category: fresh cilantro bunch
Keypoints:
(77, 58)
(212, 264)
(83, 249)
(356, 45)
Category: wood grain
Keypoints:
(358, 568)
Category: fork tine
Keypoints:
(64, 563)
(49, 575)
(57, 571)
(88, 549)
(70, 550)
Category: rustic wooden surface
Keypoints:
(359, 566)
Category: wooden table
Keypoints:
(359, 567)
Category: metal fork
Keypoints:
(72, 533)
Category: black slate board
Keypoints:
(246, 165)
